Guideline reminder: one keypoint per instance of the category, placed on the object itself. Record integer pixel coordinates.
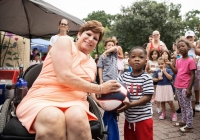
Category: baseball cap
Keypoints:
(189, 33)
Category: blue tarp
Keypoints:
(41, 44)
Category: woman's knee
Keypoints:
(50, 117)
(76, 116)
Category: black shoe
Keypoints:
(193, 112)
(178, 111)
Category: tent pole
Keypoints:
(28, 24)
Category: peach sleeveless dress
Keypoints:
(46, 91)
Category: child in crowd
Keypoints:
(107, 68)
(164, 92)
(36, 60)
(138, 115)
(151, 68)
(120, 64)
(107, 64)
(34, 53)
(125, 61)
(185, 71)
(190, 36)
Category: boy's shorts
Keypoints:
(196, 83)
(193, 95)
(142, 130)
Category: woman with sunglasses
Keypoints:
(63, 28)
(156, 43)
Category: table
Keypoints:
(9, 74)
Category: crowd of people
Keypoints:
(152, 74)
(173, 74)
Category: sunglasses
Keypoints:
(63, 24)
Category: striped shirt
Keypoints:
(109, 66)
(138, 86)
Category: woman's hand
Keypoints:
(110, 86)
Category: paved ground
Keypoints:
(164, 129)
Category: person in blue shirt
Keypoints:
(164, 91)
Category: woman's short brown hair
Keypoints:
(94, 26)
(110, 39)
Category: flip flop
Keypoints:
(179, 124)
(185, 129)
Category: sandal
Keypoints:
(179, 124)
(185, 129)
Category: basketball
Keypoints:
(114, 101)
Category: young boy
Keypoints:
(138, 112)
(107, 64)
(107, 68)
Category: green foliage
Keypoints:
(102, 17)
(192, 21)
(137, 22)
(9, 65)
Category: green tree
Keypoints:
(192, 22)
(137, 22)
(106, 20)
(101, 16)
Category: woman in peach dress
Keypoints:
(56, 107)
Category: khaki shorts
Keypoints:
(196, 83)
(193, 95)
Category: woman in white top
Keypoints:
(63, 29)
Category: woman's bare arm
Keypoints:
(61, 56)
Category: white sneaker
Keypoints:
(197, 107)
(159, 110)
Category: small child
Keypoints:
(164, 91)
(138, 115)
(125, 61)
(107, 64)
(185, 71)
(36, 60)
(151, 68)
(107, 68)
(120, 64)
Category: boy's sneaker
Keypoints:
(178, 111)
(159, 110)
(162, 116)
(174, 117)
(197, 107)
